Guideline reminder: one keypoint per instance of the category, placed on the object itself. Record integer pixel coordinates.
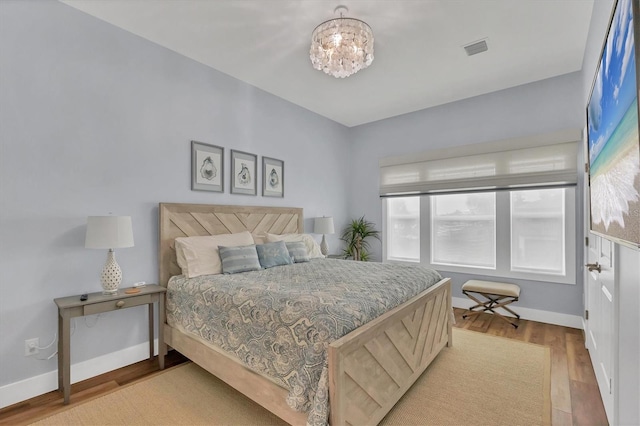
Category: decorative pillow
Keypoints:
(273, 254)
(313, 248)
(239, 259)
(199, 255)
(298, 251)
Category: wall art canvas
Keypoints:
(207, 163)
(612, 127)
(244, 169)
(272, 177)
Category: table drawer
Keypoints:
(113, 305)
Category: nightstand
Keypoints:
(96, 303)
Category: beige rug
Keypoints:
(481, 380)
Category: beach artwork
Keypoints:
(614, 147)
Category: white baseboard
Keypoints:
(556, 318)
(33, 386)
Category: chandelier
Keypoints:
(341, 46)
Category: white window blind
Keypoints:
(463, 230)
(403, 229)
(538, 219)
(544, 160)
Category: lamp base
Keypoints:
(324, 247)
(111, 276)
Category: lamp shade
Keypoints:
(109, 232)
(323, 225)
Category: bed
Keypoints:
(368, 369)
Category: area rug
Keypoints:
(481, 380)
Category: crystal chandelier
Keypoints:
(341, 46)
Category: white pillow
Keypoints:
(313, 248)
(259, 238)
(200, 255)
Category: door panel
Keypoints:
(600, 325)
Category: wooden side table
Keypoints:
(72, 306)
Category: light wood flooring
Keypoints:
(575, 399)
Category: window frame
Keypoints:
(503, 241)
(563, 214)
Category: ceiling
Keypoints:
(419, 57)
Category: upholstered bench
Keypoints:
(497, 295)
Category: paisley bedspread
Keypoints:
(280, 321)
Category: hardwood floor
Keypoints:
(575, 399)
(44, 405)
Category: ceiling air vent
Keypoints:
(476, 47)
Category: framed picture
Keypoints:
(272, 177)
(613, 131)
(207, 167)
(244, 171)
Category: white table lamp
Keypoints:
(323, 225)
(109, 232)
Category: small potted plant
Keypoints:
(355, 235)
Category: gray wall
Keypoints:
(537, 108)
(96, 120)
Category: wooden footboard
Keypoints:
(228, 369)
(372, 367)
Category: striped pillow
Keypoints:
(298, 251)
(239, 259)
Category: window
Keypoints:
(463, 230)
(537, 231)
(503, 208)
(403, 229)
(523, 234)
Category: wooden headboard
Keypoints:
(187, 220)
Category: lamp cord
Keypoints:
(73, 330)
(55, 338)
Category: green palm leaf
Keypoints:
(355, 235)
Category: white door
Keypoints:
(600, 279)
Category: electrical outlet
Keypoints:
(31, 346)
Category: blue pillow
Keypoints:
(273, 254)
(298, 251)
(239, 259)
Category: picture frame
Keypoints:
(613, 129)
(272, 177)
(207, 167)
(244, 172)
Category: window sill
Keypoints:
(553, 279)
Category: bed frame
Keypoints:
(369, 369)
